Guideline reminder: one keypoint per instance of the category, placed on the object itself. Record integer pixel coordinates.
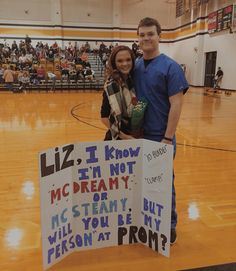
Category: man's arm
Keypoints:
(176, 102)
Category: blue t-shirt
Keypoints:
(162, 78)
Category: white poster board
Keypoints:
(101, 194)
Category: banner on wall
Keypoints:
(212, 22)
(220, 20)
(227, 17)
(234, 18)
(101, 194)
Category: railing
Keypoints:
(59, 85)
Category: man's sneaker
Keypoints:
(173, 236)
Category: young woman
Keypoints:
(119, 94)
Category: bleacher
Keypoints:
(64, 83)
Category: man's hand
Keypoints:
(166, 141)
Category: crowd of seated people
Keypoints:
(23, 61)
(104, 51)
(26, 64)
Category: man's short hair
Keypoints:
(147, 21)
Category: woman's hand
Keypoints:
(125, 136)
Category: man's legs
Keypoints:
(9, 85)
(214, 83)
(217, 85)
(173, 204)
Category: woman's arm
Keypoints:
(125, 136)
(105, 113)
(106, 122)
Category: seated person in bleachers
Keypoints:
(78, 60)
(7, 49)
(102, 47)
(76, 46)
(70, 47)
(104, 58)
(95, 48)
(50, 55)
(111, 46)
(22, 60)
(19, 76)
(52, 77)
(70, 57)
(89, 73)
(72, 73)
(1, 56)
(139, 53)
(66, 52)
(22, 45)
(87, 47)
(33, 76)
(55, 47)
(41, 54)
(27, 40)
(29, 57)
(14, 46)
(1, 74)
(25, 80)
(14, 58)
(41, 73)
(135, 48)
(82, 48)
(35, 59)
(46, 46)
(80, 73)
(86, 64)
(64, 68)
(61, 54)
(16, 72)
(84, 57)
(39, 45)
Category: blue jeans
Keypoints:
(173, 204)
(9, 86)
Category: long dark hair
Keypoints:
(111, 69)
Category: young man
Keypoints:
(161, 81)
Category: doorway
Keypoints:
(210, 69)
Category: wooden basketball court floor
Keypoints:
(205, 168)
